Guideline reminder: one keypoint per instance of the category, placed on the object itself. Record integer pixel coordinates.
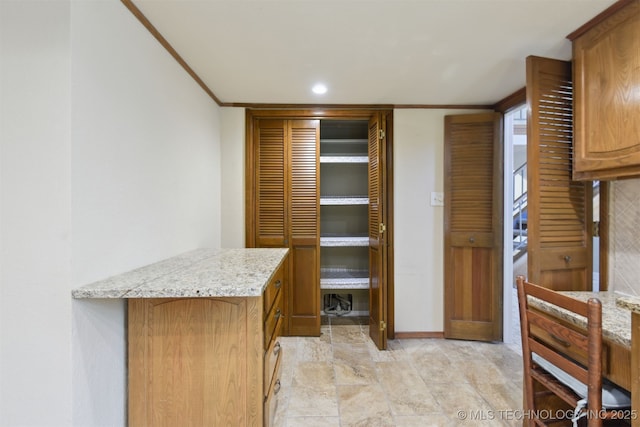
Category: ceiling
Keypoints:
(400, 52)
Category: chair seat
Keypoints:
(613, 397)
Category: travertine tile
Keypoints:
(406, 391)
(350, 334)
(342, 379)
(505, 399)
(313, 422)
(306, 401)
(353, 364)
(461, 398)
(314, 375)
(436, 367)
(481, 370)
(363, 405)
(431, 420)
(289, 359)
(315, 348)
(394, 352)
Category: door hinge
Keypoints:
(382, 228)
(596, 229)
(383, 325)
(382, 134)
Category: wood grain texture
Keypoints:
(377, 213)
(303, 291)
(473, 227)
(271, 181)
(607, 90)
(195, 361)
(580, 352)
(559, 208)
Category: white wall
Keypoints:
(418, 142)
(110, 159)
(35, 197)
(232, 144)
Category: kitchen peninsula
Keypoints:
(202, 336)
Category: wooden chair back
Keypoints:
(563, 346)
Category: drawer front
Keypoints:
(271, 359)
(271, 400)
(274, 318)
(273, 289)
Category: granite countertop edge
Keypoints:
(628, 302)
(200, 273)
(616, 321)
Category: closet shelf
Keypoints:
(334, 278)
(345, 241)
(344, 159)
(343, 141)
(344, 200)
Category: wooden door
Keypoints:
(559, 209)
(473, 227)
(271, 181)
(304, 199)
(377, 233)
(282, 175)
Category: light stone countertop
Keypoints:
(629, 303)
(199, 273)
(616, 321)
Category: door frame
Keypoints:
(252, 114)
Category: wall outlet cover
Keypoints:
(437, 198)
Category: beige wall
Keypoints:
(624, 246)
(109, 160)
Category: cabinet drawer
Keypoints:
(273, 289)
(271, 359)
(274, 318)
(271, 400)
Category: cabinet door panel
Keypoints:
(304, 196)
(271, 215)
(377, 250)
(607, 90)
(559, 241)
(182, 373)
(304, 303)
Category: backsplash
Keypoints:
(624, 242)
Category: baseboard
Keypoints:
(409, 335)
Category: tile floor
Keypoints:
(341, 379)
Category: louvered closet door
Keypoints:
(304, 194)
(473, 227)
(271, 202)
(377, 253)
(560, 210)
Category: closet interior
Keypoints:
(344, 217)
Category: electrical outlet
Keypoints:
(437, 198)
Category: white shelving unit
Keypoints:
(344, 217)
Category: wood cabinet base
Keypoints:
(196, 362)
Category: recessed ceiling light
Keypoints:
(319, 89)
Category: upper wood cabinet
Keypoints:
(607, 95)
